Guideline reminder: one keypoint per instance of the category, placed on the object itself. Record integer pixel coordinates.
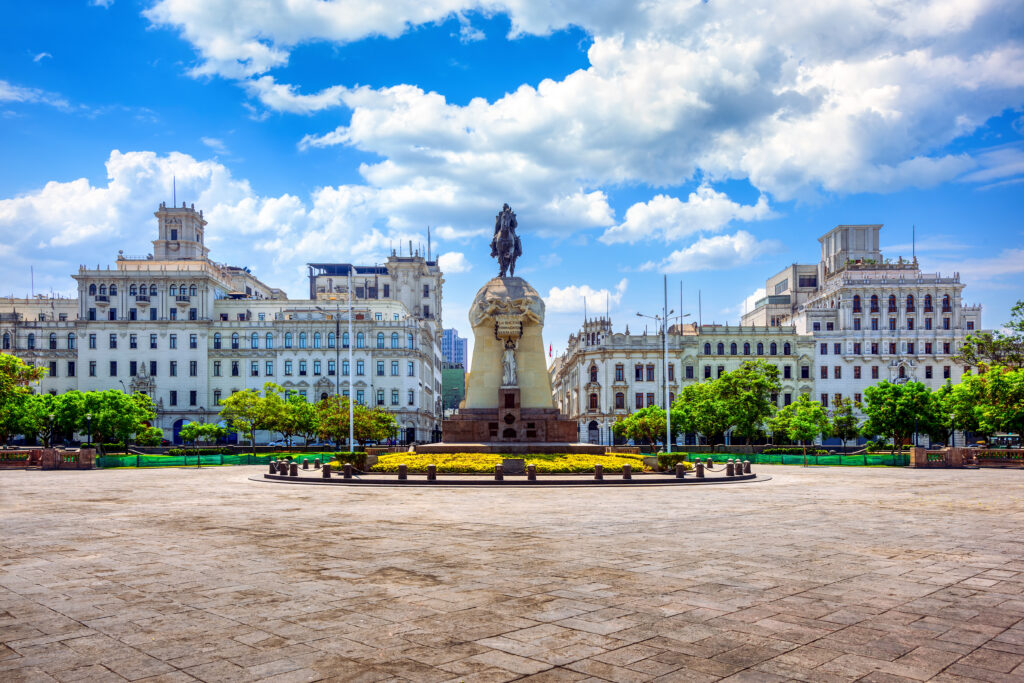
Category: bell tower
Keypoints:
(179, 234)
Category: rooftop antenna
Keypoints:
(700, 310)
(32, 281)
(913, 242)
(584, 309)
(174, 191)
(607, 305)
(428, 242)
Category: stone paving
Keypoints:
(821, 574)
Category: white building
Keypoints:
(189, 332)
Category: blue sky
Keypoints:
(713, 142)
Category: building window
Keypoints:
(892, 323)
(332, 369)
(112, 341)
(856, 303)
(92, 368)
(410, 368)
(193, 341)
(254, 368)
(234, 340)
(928, 348)
(360, 368)
(650, 373)
(816, 327)
(650, 398)
(760, 348)
(892, 303)
(823, 349)
(946, 306)
(173, 397)
(269, 368)
(593, 401)
(824, 400)
(302, 368)
(927, 372)
(216, 368)
(805, 372)
(411, 341)
(671, 372)
(732, 349)
(892, 348)
(874, 303)
(639, 400)
(394, 340)
(152, 368)
(689, 372)
(874, 372)
(287, 340)
(721, 370)
(856, 372)
(302, 340)
(412, 397)
(721, 349)
(193, 368)
(216, 340)
(707, 372)
(746, 348)
(380, 340)
(269, 343)
(113, 368)
(773, 349)
(619, 373)
(394, 397)
(172, 341)
(593, 373)
(174, 368)
(171, 314)
(945, 323)
(837, 349)
(707, 349)
(620, 401)
(288, 367)
(874, 348)
(638, 373)
(823, 370)
(360, 340)
(945, 372)
(837, 372)
(970, 324)
(344, 368)
(234, 368)
(7, 341)
(910, 303)
(945, 348)
(910, 348)
(856, 323)
(380, 368)
(856, 348)
(394, 368)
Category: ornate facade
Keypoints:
(189, 332)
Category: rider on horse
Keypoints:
(506, 245)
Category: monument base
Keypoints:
(509, 423)
(511, 448)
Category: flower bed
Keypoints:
(485, 462)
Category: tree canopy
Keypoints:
(997, 348)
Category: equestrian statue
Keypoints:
(506, 245)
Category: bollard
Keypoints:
(431, 472)
(746, 467)
(730, 470)
(403, 472)
(699, 466)
(627, 472)
(599, 472)
(347, 470)
(680, 470)
(273, 467)
(305, 463)
(710, 462)
(282, 467)
(316, 464)
(327, 470)
(499, 472)
(294, 469)
(531, 473)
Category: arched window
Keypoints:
(71, 340)
(746, 348)
(732, 349)
(113, 290)
(856, 303)
(216, 340)
(903, 371)
(332, 341)
(892, 303)
(412, 341)
(927, 303)
(874, 303)
(7, 341)
(92, 290)
(344, 340)
(287, 340)
(31, 341)
(317, 340)
(707, 349)
(946, 307)
(103, 290)
(182, 289)
(254, 340)
(394, 340)
(133, 290)
(620, 401)
(760, 348)
(302, 340)
(910, 303)
(786, 349)
(323, 396)
(380, 340)
(53, 340)
(360, 340)
(152, 290)
(192, 290)
(174, 290)
(234, 340)
(593, 373)
(721, 349)
(270, 340)
(773, 349)
(593, 401)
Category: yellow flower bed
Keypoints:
(485, 462)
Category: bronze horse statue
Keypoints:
(505, 244)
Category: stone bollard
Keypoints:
(599, 472)
(730, 470)
(305, 463)
(273, 467)
(499, 472)
(627, 472)
(531, 473)
(680, 470)
(709, 462)
(431, 472)
(294, 467)
(699, 467)
(746, 467)
(403, 472)
(316, 464)
(282, 467)
(347, 470)
(327, 470)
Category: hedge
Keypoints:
(668, 461)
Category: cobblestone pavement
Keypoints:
(821, 574)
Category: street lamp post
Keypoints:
(663, 321)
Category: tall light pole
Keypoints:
(351, 368)
(663, 321)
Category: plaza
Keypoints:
(820, 574)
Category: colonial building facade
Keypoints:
(189, 332)
(832, 328)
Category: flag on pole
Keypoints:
(550, 350)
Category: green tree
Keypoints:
(332, 419)
(249, 411)
(303, 416)
(149, 436)
(844, 425)
(895, 410)
(646, 425)
(381, 424)
(207, 432)
(116, 416)
(701, 408)
(997, 348)
(747, 393)
(15, 379)
(800, 421)
(39, 417)
(990, 402)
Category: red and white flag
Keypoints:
(550, 350)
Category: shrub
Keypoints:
(793, 450)
(113, 448)
(667, 461)
(485, 462)
(357, 458)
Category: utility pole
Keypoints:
(351, 369)
(664, 369)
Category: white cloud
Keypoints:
(447, 232)
(16, 93)
(571, 299)
(216, 144)
(454, 262)
(101, 3)
(41, 56)
(668, 218)
(992, 270)
(747, 304)
(718, 253)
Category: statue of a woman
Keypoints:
(508, 362)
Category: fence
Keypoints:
(142, 460)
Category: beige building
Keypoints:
(189, 332)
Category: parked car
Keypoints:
(280, 443)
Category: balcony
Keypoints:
(142, 299)
(102, 299)
(182, 299)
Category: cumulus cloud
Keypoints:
(571, 299)
(718, 253)
(454, 262)
(669, 218)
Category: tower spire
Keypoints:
(174, 191)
